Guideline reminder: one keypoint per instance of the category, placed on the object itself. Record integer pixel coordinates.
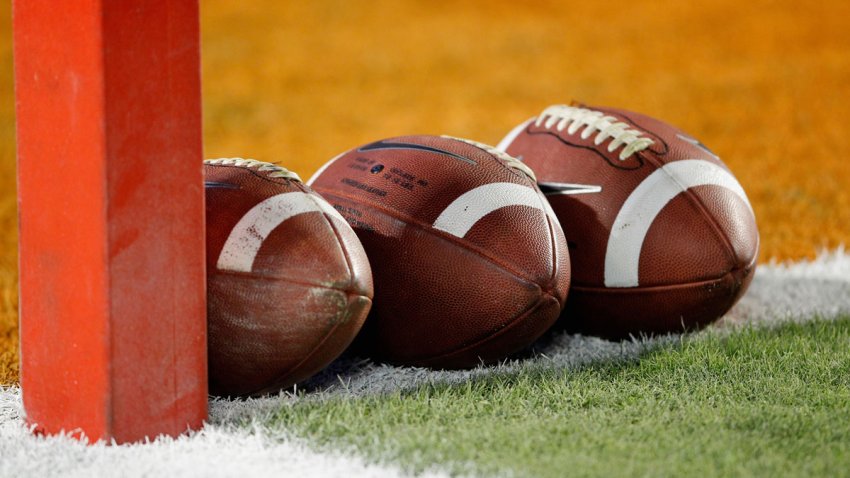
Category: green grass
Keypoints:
(755, 402)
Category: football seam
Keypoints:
(631, 121)
(443, 235)
(282, 377)
(495, 333)
(593, 149)
(348, 263)
(255, 173)
(553, 278)
(253, 275)
(703, 210)
(340, 243)
(655, 160)
(349, 289)
(663, 287)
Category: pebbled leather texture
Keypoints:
(487, 281)
(301, 301)
(698, 254)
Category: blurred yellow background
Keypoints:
(764, 83)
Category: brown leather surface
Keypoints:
(698, 255)
(442, 300)
(653, 310)
(303, 301)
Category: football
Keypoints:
(470, 264)
(288, 283)
(662, 236)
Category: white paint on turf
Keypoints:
(218, 451)
(797, 291)
(237, 441)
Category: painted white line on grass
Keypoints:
(217, 451)
(238, 442)
(797, 291)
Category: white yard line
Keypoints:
(227, 447)
(798, 290)
(217, 451)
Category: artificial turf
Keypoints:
(752, 402)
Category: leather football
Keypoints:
(662, 236)
(288, 283)
(470, 264)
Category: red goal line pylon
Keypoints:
(111, 207)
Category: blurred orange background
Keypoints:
(764, 83)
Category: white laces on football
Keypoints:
(509, 160)
(276, 171)
(572, 119)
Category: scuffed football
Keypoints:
(662, 236)
(288, 283)
(470, 265)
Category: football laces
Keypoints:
(572, 119)
(506, 158)
(275, 170)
